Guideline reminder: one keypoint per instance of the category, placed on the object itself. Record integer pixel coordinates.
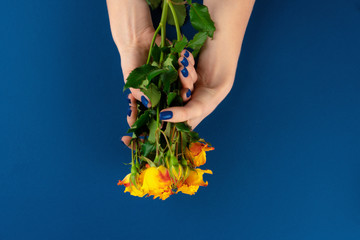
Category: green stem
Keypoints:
(163, 27)
(152, 43)
(176, 20)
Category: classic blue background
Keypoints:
(286, 164)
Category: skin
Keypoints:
(132, 30)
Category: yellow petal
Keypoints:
(191, 190)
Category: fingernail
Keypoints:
(187, 54)
(188, 93)
(129, 112)
(144, 101)
(185, 72)
(166, 115)
(184, 62)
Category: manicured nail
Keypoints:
(187, 54)
(188, 93)
(144, 101)
(166, 115)
(185, 72)
(129, 112)
(184, 62)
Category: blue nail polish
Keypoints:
(129, 112)
(188, 93)
(144, 101)
(184, 62)
(186, 54)
(185, 72)
(166, 115)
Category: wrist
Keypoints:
(131, 24)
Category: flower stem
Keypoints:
(152, 43)
(163, 27)
(176, 20)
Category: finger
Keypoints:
(126, 140)
(132, 111)
(185, 94)
(188, 77)
(202, 103)
(189, 56)
(140, 96)
(192, 109)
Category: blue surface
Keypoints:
(286, 164)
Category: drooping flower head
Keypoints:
(196, 153)
(131, 188)
(193, 181)
(156, 182)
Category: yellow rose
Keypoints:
(196, 153)
(193, 181)
(156, 182)
(132, 189)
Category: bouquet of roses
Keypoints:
(165, 156)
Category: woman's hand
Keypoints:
(132, 30)
(217, 64)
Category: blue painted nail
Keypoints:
(185, 72)
(188, 93)
(186, 54)
(129, 112)
(144, 101)
(184, 62)
(166, 115)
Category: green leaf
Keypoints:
(194, 136)
(200, 19)
(168, 78)
(154, 3)
(145, 159)
(170, 97)
(152, 130)
(169, 61)
(180, 11)
(183, 127)
(137, 77)
(142, 120)
(147, 148)
(155, 53)
(168, 128)
(197, 42)
(180, 45)
(153, 93)
(155, 73)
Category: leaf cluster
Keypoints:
(159, 81)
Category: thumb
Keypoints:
(201, 103)
(191, 110)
